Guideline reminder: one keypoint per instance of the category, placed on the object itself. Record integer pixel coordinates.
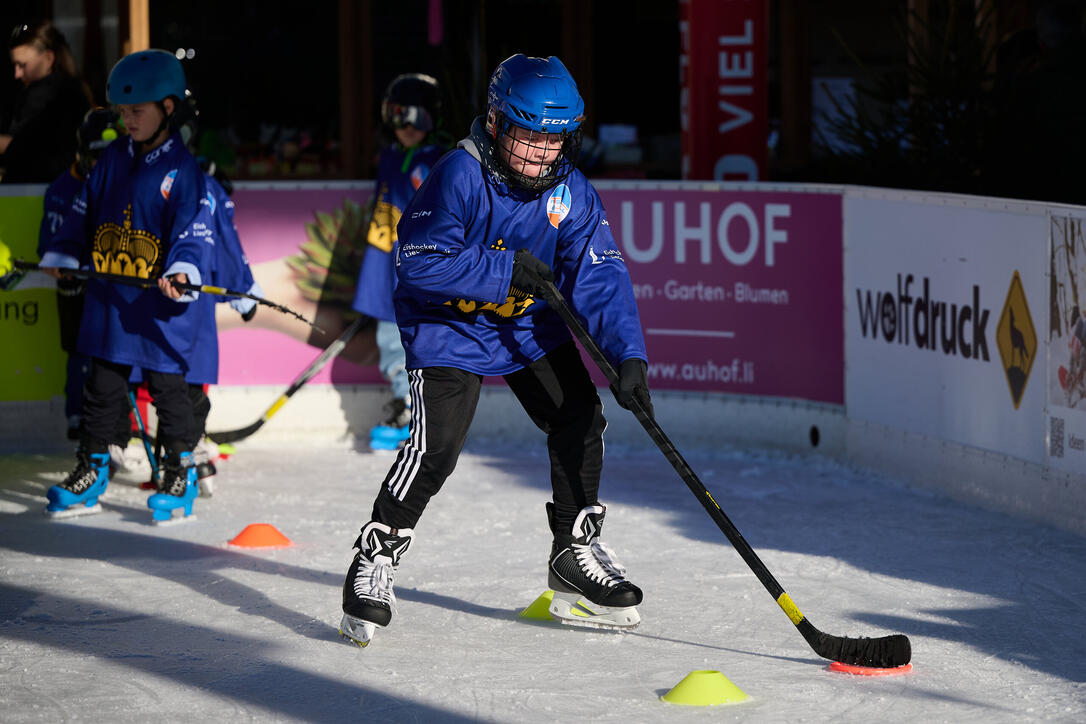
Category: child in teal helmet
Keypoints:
(143, 212)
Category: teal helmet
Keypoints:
(147, 76)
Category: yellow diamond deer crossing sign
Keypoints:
(1016, 340)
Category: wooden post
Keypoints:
(357, 143)
(794, 23)
(139, 26)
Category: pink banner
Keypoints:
(304, 247)
(738, 291)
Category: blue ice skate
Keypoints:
(79, 493)
(179, 490)
(394, 431)
(384, 437)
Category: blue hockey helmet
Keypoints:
(540, 96)
(147, 76)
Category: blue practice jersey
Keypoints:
(143, 216)
(56, 204)
(454, 264)
(230, 270)
(400, 173)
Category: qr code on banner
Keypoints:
(1055, 437)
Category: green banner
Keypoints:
(31, 360)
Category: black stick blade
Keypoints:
(234, 435)
(885, 652)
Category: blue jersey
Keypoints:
(230, 270)
(454, 264)
(400, 173)
(143, 216)
(56, 204)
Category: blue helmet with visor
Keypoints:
(533, 118)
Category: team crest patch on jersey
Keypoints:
(167, 184)
(558, 205)
(418, 175)
(211, 203)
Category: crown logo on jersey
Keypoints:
(120, 249)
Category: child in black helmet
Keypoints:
(411, 112)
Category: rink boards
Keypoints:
(917, 334)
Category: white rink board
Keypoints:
(968, 251)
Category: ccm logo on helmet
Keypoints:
(556, 121)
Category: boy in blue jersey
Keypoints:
(504, 209)
(100, 127)
(410, 109)
(143, 212)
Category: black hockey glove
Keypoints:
(633, 381)
(527, 272)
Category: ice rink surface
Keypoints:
(109, 619)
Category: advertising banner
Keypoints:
(1066, 341)
(945, 308)
(32, 365)
(723, 75)
(738, 291)
(304, 244)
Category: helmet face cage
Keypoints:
(533, 160)
(534, 116)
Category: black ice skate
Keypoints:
(367, 592)
(590, 586)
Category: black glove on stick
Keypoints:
(528, 270)
(633, 381)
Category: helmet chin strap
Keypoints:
(164, 125)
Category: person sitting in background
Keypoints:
(40, 142)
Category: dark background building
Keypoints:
(963, 95)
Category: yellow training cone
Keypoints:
(540, 608)
(705, 688)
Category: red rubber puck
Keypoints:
(869, 670)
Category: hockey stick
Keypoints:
(152, 458)
(314, 367)
(153, 283)
(883, 652)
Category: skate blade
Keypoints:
(206, 486)
(572, 610)
(356, 630)
(74, 512)
(173, 520)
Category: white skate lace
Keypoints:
(600, 563)
(374, 581)
(79, 480)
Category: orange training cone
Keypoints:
(261, 535)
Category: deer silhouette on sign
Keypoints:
(1018, 343)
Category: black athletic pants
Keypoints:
(558, 396)
(105, 400)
